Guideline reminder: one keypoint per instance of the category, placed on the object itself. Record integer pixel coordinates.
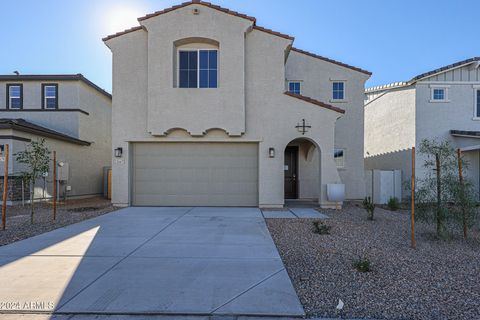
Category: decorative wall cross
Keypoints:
(302, 127)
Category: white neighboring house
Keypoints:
(218, 111)
(73, 115)
(441, 104)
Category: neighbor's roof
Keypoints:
(29, 127)
(423, 75)
(234, 13)
(315, 102)
(54, 77)
(465, 133)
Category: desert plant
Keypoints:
(362, 264)
(36, 158)
(440, 197)
(393, 204)
(369, 206)
(321, 228)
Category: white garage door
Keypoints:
(195, 174)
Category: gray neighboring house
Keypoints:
(73, 115)
(218, 111)
(441, 104)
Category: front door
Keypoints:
(291, 174)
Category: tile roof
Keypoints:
(29, 127)
(315, 102)
(53, 77)
(237, 14)
(445, 68)
(121, 33)
(204, 3)
(331, 61)
(423, 75)
(275, 33)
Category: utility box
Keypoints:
(62, 171)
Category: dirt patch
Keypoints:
(72, 211)
(438, 280)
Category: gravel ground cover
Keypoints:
(18, 224)
(438, 280)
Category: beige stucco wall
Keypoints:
(85, 162)
(269, 116)
(316, 78)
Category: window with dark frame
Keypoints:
(478, 104)
(294, 87)
(338, 90)
(14, 96)
(198, 69)
(50, 96)
(339, 157)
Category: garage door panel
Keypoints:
(201, 174)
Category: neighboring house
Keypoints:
(210, 109)
(73, 115)
(440, 104)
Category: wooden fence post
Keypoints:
(54, 185)
(5, 189)
(413, 242)
(460, 175)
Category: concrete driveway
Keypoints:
(185, 261)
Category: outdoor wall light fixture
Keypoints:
(271, 152)
(118, 152)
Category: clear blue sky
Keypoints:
(396, 40)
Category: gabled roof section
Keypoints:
(315, 102)
(445, 68)
(29, 127)
(423, 75)
(121, 33)
(275, 33)
(203, 3)
(331, 61)
(54, 77)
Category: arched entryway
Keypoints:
(302, 170)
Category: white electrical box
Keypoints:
(62, 171)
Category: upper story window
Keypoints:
(477, 109)
(14, 96)
(338, 90)
(339, 157)
(50, 96)
(294, 87)
(198, 68)
(438, 93)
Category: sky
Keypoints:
(395, 40)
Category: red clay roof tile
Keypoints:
(316, 102)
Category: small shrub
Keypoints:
(321, 228)
(369, 206)
(393, 204)
(362, 264)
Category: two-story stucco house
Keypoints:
(440, 104)
(73, 115)
(210, 109)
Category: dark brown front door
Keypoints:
(290, 170)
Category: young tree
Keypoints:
(36, 158)
(440, 196)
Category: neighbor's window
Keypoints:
(198, 68)
(338, 90)
(477, 110)
(50, 96)
(339, 157)
(294, 87)
(14, 96)
(438, 94)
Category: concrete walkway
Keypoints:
(151, 261)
